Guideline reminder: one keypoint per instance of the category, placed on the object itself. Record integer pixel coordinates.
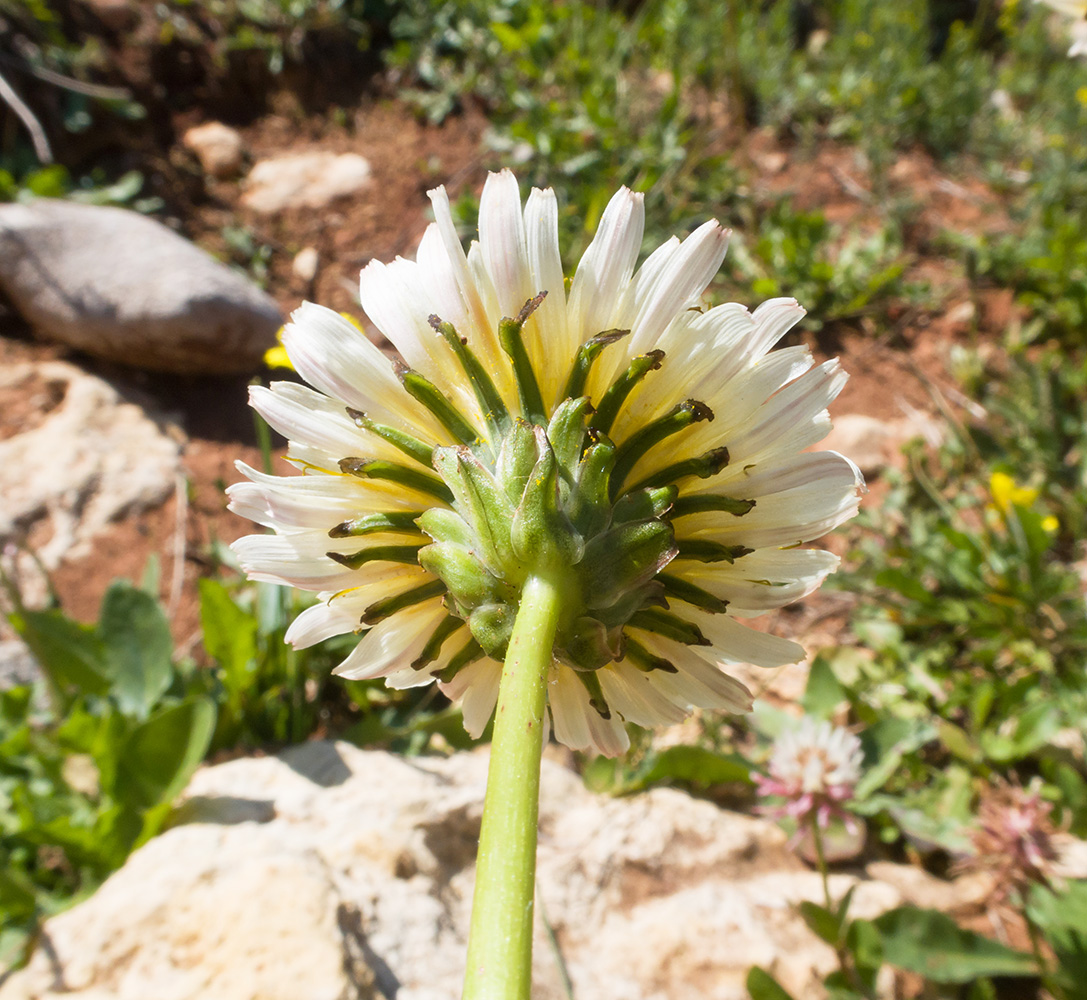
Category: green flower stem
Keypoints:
(500, 939)
(821, 857)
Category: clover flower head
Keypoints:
(814, 768)
(1014, 838)
(648, 453)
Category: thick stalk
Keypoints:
(500, 939)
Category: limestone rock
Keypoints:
(218, 147)
(304, 265)
(304, 180)
(875, 444)
(17, 664)
(358, 884)
(121, 286)
(865, 440)
(84, 458)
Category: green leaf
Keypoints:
(957, 742)
(822, 922)
(865, 944)
(162, 753)
(697, 766)
(138, 648)
(1034, 726)
(17, 894)
(230, 634)
(762, 986)
(70, 653)
(885, 744)
(932, 944)
(52, 181)
(823, 693)
(1062, 918)
(902, 583)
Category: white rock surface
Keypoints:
(121, 286)
(90, 458)
(304, 180)
(304, 265)
(360, 887)
(218, 147)
(875, 444)
(17, 664)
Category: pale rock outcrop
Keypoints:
(84, 458)
(331, 873)
(304, 180)
(218, 147)
(123, 287)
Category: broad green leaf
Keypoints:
(697, 766)
(823, 693)
(885, 744)
(822, 922)
(162, 753)
(1062, 918)
(908, 586)
(152, 575)
(1035, 725)
(17, 894)
(957, 742)
(762, 986)
(71, 654)
(230, 633)
(932, 944)
(138, 648)
(865, 944)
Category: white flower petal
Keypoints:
(677, 285)
(409, 677)
(299, 560)
(550, 341)
(502, 242)
(320, 622)
(630, 693)
(576, 723)
(473, 304)
(794, 419)
(301, 414)
(393, 642)
(785, 473)
(445, 297)
(295, 503)
(607, 265)
(763, 580)
(334, 356)
(476, 687)
(789, 516)
(737, 643)
(733, 405)
(696, 682)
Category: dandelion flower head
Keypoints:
(648, 452)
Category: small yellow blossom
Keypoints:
(1007, 493)
(276, 357)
